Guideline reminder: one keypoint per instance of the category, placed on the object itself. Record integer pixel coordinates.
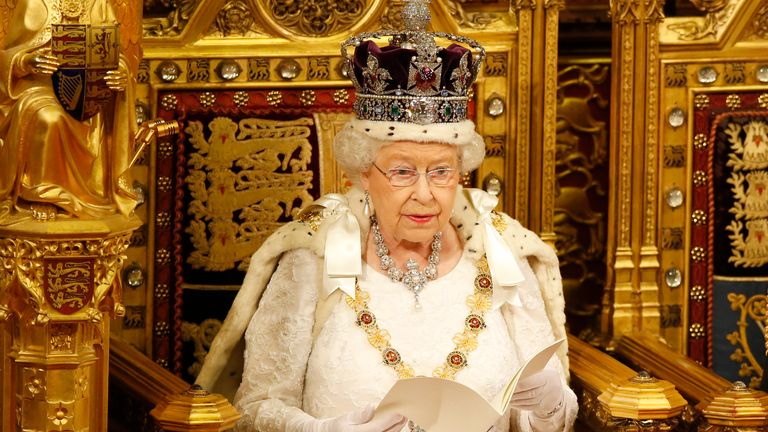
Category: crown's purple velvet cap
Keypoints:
(396, 60)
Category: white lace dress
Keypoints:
(287, 374)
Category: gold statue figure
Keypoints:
(53, 162)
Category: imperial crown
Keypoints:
(413, 79)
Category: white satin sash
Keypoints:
(503, 264)
(343, 257)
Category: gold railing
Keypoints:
(720, 404)
(613, 397)
(177, 407)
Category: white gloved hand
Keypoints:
(355, 421)
(541, 393)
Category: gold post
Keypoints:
(59, 286)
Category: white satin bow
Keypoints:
(343, 258)
(503, 264)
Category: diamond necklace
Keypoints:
(413, 279)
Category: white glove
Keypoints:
(353, 421)
(541, 393)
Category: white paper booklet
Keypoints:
(439, 405)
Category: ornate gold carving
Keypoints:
(271, 180)
(142, 76)
(307, 18)
(496, 64)
(653, 15)
(674, 156)
(174, 23)
(625, 11)
(579, 220)
(198, 70)
(523, 90)
(207, 99)
(258, 69)
(34, 383)
(235, 18)
(319, 68)
(494, 145)
(201, 336)
(61, 337)
(675, 75)
(53, 273)
(718, 13)
(672, 238)
(474, 20)
(758, 28)
(68, 283)
(752, 309)
(134, 317)
(550, 118)
(734, 73)
(392, 19)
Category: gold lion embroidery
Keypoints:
(242, 179)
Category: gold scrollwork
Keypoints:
(235, 18)
(201, 335)
(582, 151)
(306, 18)
(758, 29)
(718, 13)
(174, 23)
(474, 20)
(242, 179)
(754, 309)
(61, 337)
(28, 261)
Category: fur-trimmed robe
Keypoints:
(310, 231)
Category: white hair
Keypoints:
(356, 144)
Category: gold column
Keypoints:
(633, 252)
(59, 286)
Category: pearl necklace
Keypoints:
(413, 279)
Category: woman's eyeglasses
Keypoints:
(401, 177)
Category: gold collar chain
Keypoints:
(465, 341)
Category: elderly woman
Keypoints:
(406, 275)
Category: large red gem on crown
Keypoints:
(425, 78)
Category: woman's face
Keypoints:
(412, 213)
